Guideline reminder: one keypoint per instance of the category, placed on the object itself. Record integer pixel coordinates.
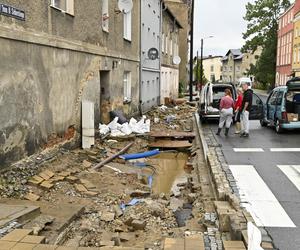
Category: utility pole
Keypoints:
(201, 65)
(191, 51)
(197, 74)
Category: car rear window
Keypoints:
(218, 91)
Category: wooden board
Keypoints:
(170, 144)
(172, 134)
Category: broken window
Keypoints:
(127, 86)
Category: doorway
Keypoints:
(104, 96)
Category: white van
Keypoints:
(245, 80)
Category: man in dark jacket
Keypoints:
(246, 107)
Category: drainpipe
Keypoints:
(162, 8)
(140, 63)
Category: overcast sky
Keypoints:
(224, 20)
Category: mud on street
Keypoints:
(137, 203)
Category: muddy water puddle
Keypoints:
(170, 170)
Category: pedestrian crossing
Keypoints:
(258, 199)
(255, 194)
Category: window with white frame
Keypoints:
(66, 6)
(163, 43)
(127, 26)
(171, 46)
(166, 47)
(105, 16)
(127, 86)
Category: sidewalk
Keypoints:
(261, 92)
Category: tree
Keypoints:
(197, 74)
(262, 18)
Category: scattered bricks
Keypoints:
(16, 235)
(234, 245)
(57, 178)
(91, 194)
(138, 224)
(46, 185)
(86, 164)
(33, 239)
(31, 197)
(71, 179)
(80, 188)
(64, 173)
(267, 246)
(23, 246)
(49, 173)
(107, 216)
(5, 245)
(44, 175)
(106, 243)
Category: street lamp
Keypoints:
(201, 61)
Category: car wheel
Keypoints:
(263, 123)
(278, 127)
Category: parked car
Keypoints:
(282, 109)
(210, 98)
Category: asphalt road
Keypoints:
(266, 164)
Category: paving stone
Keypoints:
(17, 235)
(35, 180)
(49, 173)
(57, 178)
(23, 246)
(46, 185)
(64, 173)
(71, 179)
(5, 245)
(80, 188)
(44, 175)
(32, 197)
(86, 164)
(33, 239)
(234, 245)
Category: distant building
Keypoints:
(250, 58)
(284, 47)
(181, 9)
(212, 67)
(296, 39)
(169, 55)
(232, 66)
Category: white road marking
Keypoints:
(292, 172)
(285, 149)
(247, 150)
(258, 199)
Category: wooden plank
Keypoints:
(172, 134)
(174, 244)
(170, 144)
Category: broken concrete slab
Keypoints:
(18, 213)
(5, 245)
(34, 239)
(23, 246)
(17, 235)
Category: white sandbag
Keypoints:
(113, 125)
(103, 129)
(125, 129)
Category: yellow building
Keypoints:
(212, 67)
(296, 45)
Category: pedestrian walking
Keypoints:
(226, 112)
(246, 107)
(238, 110)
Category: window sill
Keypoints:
(62, 11)
(127, 40)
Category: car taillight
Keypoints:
(284, 116)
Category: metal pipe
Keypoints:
(201, 66)
(191, 51)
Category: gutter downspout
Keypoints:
(160, 45)
(140, 63)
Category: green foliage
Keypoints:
(197, 72)
(181, 89)
(262, 18)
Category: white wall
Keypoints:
(169, 83)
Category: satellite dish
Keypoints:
(153, 54)
(176, 60)
(125, 5)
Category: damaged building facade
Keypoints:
(54, 55)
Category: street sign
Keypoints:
(153, 54)
(8, 10)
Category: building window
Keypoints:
(127, 26)
(66, 6)
(166, 47)
(238, 68)
(163, 43)
(212, 68)
(127, 86)
(171, 46)
(105, 16)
